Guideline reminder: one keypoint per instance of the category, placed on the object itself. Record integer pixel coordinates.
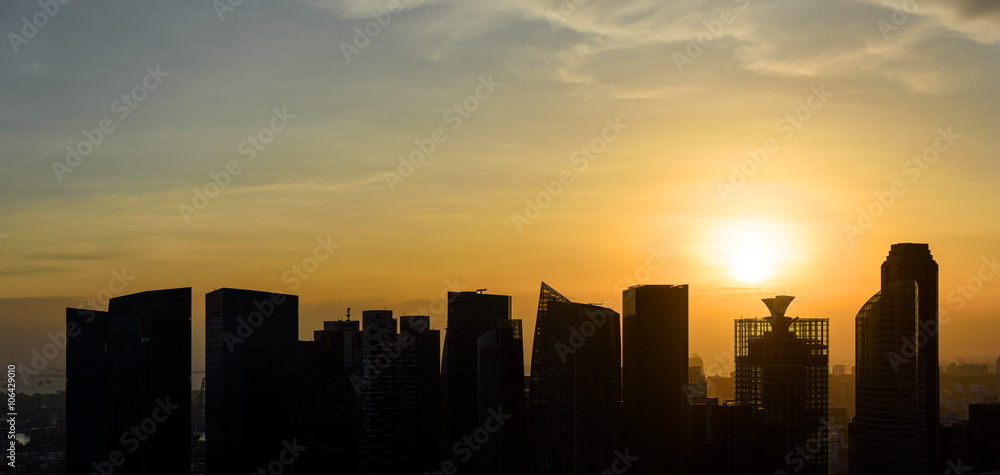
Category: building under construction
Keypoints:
(782, 369)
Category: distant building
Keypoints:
(253, 368)
(657, 387)
(501, 389)
(897, 399)
(143, 347)
(575, 398)
(782, 366)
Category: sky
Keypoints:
(378, 154)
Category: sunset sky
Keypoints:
(648, 129)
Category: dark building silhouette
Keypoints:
(501, 388)
(984, 438)
(575, 395)
(972, 446)
(86, 388)
(332, 399)
(146, 358)
(254, 365)
(734, 439)
(400, 394)
(895, 426)
(422, 346)
(782, 366)
(470, 315)
(655, 376)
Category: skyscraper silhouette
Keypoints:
(470, 315)
(895, 427)
(575, 398)
(400, 396)
(86, 390)
(335, 421)
(655, 375)
(501, 389)
(252, 357)
(144, 350)
(782, 366)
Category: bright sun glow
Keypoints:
(752, 249)
(751, 268)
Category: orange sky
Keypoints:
(588, 114)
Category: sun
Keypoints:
(752, 249)
(751, 267)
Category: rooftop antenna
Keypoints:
(348, 313)
(480, 291)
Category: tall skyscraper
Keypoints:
(87, 438)
(332, 394)
(896, 351)
(251, 344)
(655, 375)
(422, 347)
(470, 316)
(143, 346)
(501, 389)
(400, 395)
(782, 366)
(575, 396)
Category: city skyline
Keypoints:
(716, 362)
(370, 395)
